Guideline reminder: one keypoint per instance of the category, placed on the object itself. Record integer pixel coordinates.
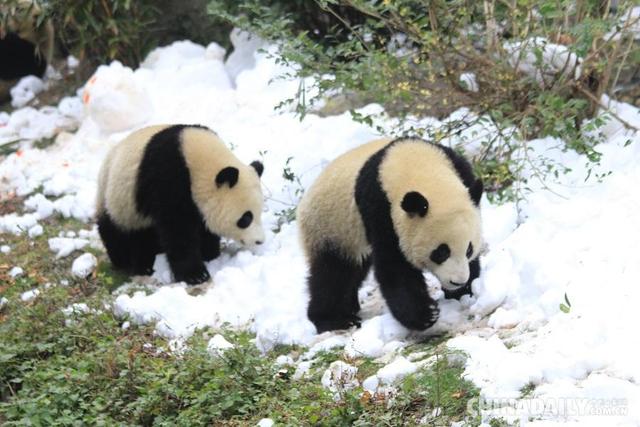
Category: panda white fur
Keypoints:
(404, 206)
(25, 47)
(176, 189)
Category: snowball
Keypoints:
(284, 360)
(302, 370)
(64, 246)
(265, 422)
(72, 62)
(26, 90)
(36, 231)
(79, 308)
(29, 295)
(340, 376)
(84, 265)
(218, 344)
(16, 272)
(469, 82)
(396, 370)
(370, 384)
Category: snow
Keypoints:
(3, 302)
(284, 360)
(35, 231)
(16, 224)
(26, 90)
(76, 308)
(84, 265)
(265, 422)
(72, 62)
(64, 246)
(5, 249)
(16, 272)
(340, 376)
(555, 59)
(218, 344)
(115, 100)
(580, 240)
(398, 369)
(469, 82)
(29, 295)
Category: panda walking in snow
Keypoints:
(402, 206)
(176, 189)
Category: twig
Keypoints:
(595, 100)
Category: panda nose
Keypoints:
(259, 242)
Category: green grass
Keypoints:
(90, 371)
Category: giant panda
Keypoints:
(403, 206)
(176, 189)
(26, 44)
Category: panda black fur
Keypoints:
(176, 189)
(25, 47)
(393, 205)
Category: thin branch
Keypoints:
(595, 100)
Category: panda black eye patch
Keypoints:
(245, 220)
(440, 254)
(470, 250)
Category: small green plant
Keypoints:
(566, 306)
(288, 214)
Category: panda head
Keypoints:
(441, 239)
(234, 207)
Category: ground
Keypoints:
(551, 321)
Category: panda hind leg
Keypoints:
(116, 241)
(333, 284)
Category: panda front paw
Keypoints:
(337, 323)
(142, 271)
(193, 276)
(419, 316)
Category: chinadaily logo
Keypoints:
(548, 406)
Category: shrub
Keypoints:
(105, 30)
(540, 68)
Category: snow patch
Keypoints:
(84, 265)
(64, 246)
(218, 344)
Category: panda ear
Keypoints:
(414, 203)
(228, 175)
(476, 191)
(258, 166)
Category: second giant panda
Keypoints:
(176, 189)
(26, 44)
(402, 206)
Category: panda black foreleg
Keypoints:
(144, 247)
(405, 291)
(333, 284)
(181, 240)
(474, 273)
(116, 241)
(210, 244)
